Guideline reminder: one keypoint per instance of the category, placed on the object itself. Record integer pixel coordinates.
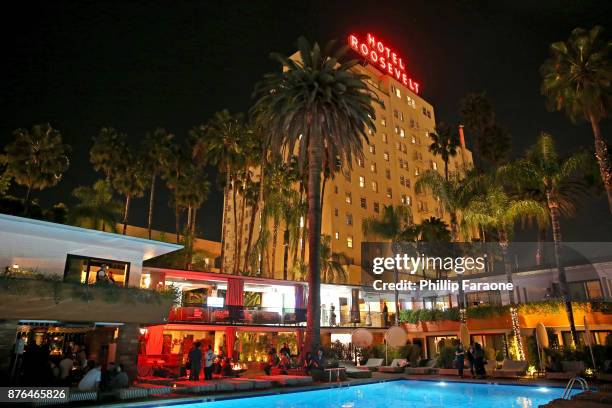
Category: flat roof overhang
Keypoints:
(20, 226)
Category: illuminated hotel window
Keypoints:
(349, 241)
(337, 235)
(363, 203)
(401, 116)
(388, 174)
(375, 187)
(376, 207)
(408, 200)
(398, 93)
(386, 156)
(360, 162)
(383, 121)
(384, 138)
(373, 167)
(434, 165)
(396, 130)
(349, 219)
(389, 193)
(335, 212)
(372, 149)
(361, 181)
(404, 148)
(403, 199)
(416, 171)
(402, 132)
(413, 139)
(348, 197)
(370, 131)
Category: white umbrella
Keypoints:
(587, 340)
(541, 340)
(396, 337)
(362, 338)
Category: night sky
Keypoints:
(139, 65)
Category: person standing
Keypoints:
(285, 349)
(470, 358)
(479, 367)
(460, 358)
(195, 362)
(209, 359)
(385, 315)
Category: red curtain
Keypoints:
(234, 296)
(230, 340)
(155, 339)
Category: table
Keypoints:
(337, 370)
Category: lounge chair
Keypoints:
(570, 369)
(429, 368)
(196, 386)
(287, 380)
(510, 369)
(257, 383)
(372, 364)
(224, 385)
(353, 372)
(398, 365)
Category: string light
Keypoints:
(516, 329)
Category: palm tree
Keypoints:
(108, 145)
(576, 79)
(433, 229)
(96, 208)
(444, 143)
(315, 102)
(157, 150)
(219, 143)
(332, 263)
(393, 225)
(128, 180)
(542, 167)
(36, 158)
(497, 210)
(453, 194)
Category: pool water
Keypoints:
(401, 394)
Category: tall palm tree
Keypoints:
(577, 79)
(332, 263)
(129, 180)
(542, 167)
(433, 229)
(392, 225)
(219, 143)
(497, 210)
(108, 145)
(36, 158)
(96, 208)
(157, 151)
(315, 102)
(444, 143)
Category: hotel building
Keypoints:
(396, 154)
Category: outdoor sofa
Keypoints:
(373, 364)
(287, 380)
(429, 368)
(510, 369)
(398, 365)
(570, 369)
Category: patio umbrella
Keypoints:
(464, 335)
(395, 337)
(541, 340)
(362, 338)
(587, 340)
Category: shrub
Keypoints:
(446, 357)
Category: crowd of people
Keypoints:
(210, 362)
(476, 360)
(35, 365)
(283, 361)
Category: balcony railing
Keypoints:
(240, 315)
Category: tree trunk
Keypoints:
(274, 240)
(26, 203)
(304, 237)
(241, 230)
(151, 198)
(177, 221)
(603, 158)
(125, 213)
(516, 330)
(286, 252)
(455, 238)
(235, 210)
(224, 229)
(247, 250)
(193, 222)
(323, 192)
(313, 321)
(446, 169)
(556, 231)
(540, 249)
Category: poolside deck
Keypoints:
(185, 397)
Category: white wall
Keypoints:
(48, 256)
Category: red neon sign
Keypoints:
(383, 58)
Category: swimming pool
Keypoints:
(401, 394)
